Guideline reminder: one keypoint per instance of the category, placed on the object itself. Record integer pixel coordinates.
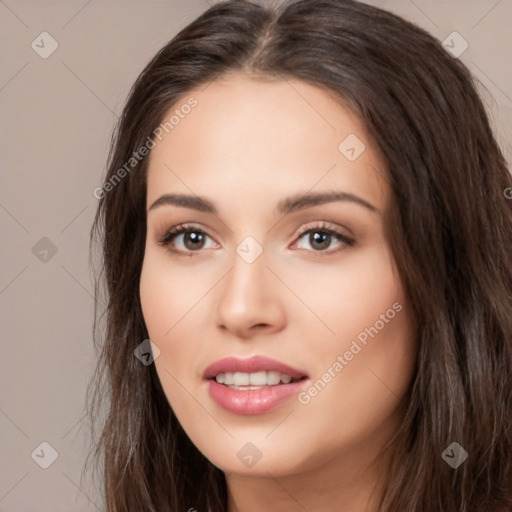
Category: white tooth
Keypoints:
(246, 388)
(273, 378)
(258, 379)
(241, 379)
(286, 379)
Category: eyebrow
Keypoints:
(285, 206)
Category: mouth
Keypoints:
(252, 386)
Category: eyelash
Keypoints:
(321, 227)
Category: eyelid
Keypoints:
(321, 225)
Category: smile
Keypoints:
(252, 386)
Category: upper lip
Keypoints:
(250, 365)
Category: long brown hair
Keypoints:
(449, 227)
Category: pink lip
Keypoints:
(252, 401)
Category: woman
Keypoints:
(305, 211)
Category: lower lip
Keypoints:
(253, 401)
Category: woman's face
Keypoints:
(274, 269)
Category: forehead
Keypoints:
(244, 135)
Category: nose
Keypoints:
(248, 299)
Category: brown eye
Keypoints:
(191, 238)
(320, 238)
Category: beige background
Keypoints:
(57, 116)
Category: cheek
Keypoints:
(177, 309)
(156, 297)
(167, 292)
(169, 298)
(366, 309)
(375, 375)
(340, 299)
(165, 300)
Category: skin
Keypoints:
(247, 145)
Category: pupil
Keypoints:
(195, 238)
(320, 238)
